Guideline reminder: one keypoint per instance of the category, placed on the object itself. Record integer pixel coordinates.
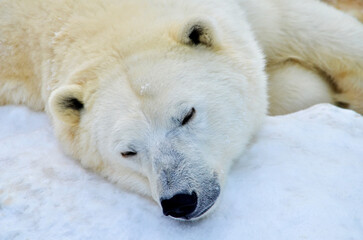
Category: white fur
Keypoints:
(293, 87)
(133, 67)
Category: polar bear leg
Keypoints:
(293, 87)
(20, 92)
(330, 40)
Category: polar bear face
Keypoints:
(169, 119)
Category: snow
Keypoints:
(301, 178)
(144, 88)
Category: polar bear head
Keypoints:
(167, 116)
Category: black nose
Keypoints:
(180, 205)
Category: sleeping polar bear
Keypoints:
(162, 96)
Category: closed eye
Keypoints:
(188, 117)
(128, 154)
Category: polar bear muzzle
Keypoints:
(187, 189)
(190, 206)
(180, 205)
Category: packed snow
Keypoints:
(301, 178)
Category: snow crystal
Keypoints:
(144, 88)
(56, 34)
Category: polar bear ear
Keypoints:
(66, 104)
(198, 32)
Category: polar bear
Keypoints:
(161, 97)
(352, 7)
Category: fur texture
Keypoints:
(118, 79)
(352, 7)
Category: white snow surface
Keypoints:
(301, 178)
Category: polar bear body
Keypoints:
(161, 96)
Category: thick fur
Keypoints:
(352, 7)
(120, 76)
